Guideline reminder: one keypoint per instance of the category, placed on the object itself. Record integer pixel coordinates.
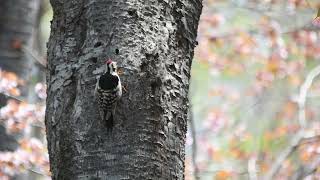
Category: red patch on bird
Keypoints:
(109, 61)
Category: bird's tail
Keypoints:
(108, 120)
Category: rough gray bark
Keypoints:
(153, 41)
(17, 22)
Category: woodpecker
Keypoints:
(107, 92)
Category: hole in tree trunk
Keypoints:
(132, 12)
(97, 44)
(117, 51)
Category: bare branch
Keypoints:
(284, 155)
(302, 121)
(303, 94)
(39, 60)
(20, 99)
(36, 171)
(38, 125)
(194, 146)
(305, 171)
(311, 139)
(252, 168)
(12, 97)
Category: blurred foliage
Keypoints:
(250, 63)
(19, 117)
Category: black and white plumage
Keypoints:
(107, 92)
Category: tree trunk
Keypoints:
(17, 23)
(153, 41)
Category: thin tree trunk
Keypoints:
(153, 41)
(17, 23)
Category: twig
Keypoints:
(304, 171)
(308, 3)
(213, 172)
(194, 146)
(302, 121)
(12, 97)
(36, 171)
(37, 58)
(284, 155)
(38, 125)
(20, 99)
(312, 139)
(303, 94)
(307, 27)
(252, 168)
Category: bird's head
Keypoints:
(111, 66)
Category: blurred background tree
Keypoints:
(254, 94)
(19, 75)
